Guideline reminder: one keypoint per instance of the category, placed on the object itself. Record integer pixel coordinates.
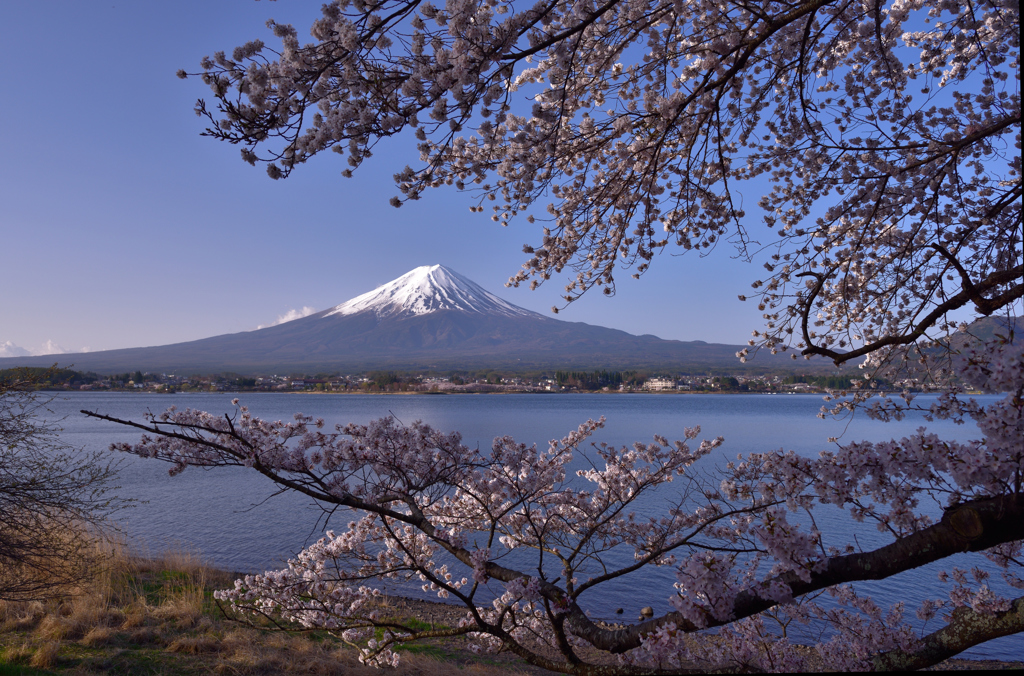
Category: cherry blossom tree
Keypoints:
(882, 140)
(744, 543)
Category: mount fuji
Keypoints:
(429, 318)
(428, 289)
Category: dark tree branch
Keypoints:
(966, 629)
(985, 306)
(972, 527)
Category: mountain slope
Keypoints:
(431, 317)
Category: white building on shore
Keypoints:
(659, 384)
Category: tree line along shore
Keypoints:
(453, 382)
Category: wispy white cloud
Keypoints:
(9, 349)
(289, 316)
(50, 347)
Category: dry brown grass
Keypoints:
(154, 597)
(98, 636)
(20, 616)
(159, 612)
(146, 635)
(195, 645)
(45, 656)
(19, 653)
(254, 653)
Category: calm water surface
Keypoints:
(235, 519)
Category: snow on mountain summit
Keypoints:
(429, 288)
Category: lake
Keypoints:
(234, 519)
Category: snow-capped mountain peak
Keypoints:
(426, 289)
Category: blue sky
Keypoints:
(120, 226)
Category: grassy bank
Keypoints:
(157, 616)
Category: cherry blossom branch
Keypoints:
(968, 294)
(966, 629)
(973, 527)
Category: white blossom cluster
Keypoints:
(864, 630)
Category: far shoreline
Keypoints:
(495, 392)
